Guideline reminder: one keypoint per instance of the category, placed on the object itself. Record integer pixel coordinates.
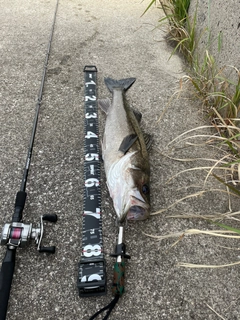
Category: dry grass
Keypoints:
(220, 100)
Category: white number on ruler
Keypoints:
(89, 250)
(92, 115)
(92, 277)
(91, 156)
(91, 82)
(90, 134)
(93, 214)
(88, 98)
(91, 182)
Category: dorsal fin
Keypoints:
(138, 115)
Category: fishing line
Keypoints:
(18, 234)
(39, 101)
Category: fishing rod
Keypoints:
(17, 233)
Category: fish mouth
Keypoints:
(138, 208)
(137, 213)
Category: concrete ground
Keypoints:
(217, 30)
(113, 36)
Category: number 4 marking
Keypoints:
(90, 135)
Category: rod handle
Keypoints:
(118, 278)
(19, 206)
(6, 275)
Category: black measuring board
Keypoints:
(92, 271)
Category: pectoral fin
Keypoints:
(104, 104)
(127, 142)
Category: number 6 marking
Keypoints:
(91, 182)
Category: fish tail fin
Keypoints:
(123, 84)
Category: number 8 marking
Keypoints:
(89, 250)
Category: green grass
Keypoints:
(181, 29)
(176, 11)
(214, 89)
(219, 95)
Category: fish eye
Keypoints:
(145, 189)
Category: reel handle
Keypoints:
(50, 217)
(47, 249)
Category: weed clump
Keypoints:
(219, 95)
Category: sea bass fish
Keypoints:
(125, 154)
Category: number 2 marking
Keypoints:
(92, 98)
